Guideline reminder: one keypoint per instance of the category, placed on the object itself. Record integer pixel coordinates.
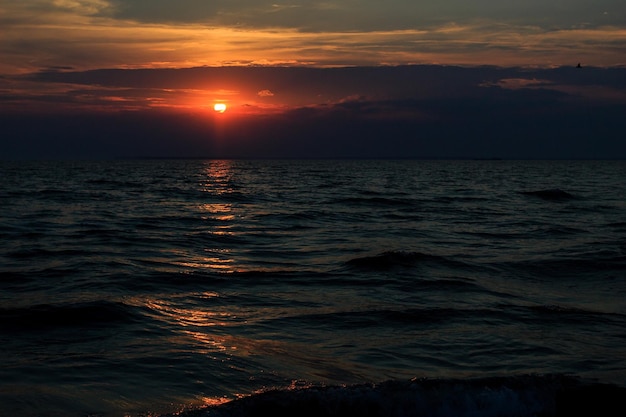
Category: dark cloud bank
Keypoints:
(390, 112)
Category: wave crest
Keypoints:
(392, 259)
(553, 194)
(520, 396)
(78, 315)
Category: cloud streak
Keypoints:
(139, 34)
(364, 15)
(283, 88)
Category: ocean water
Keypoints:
(135, 288)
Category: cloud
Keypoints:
(163, 11)
(405, 111)
(85, 7)
(161, 33)
(517, 83)
(302, 87)
(364, 15)
(128, 34)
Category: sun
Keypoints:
(219, 107)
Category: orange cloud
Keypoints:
(79, 34)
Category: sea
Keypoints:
(195, 287)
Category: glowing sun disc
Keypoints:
(219, 107)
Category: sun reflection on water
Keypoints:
(217, 177)
(186, 315)
(217, 211)
(216, 182)
(209, 262)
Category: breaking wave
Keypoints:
(519, 396)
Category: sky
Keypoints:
(349, 78)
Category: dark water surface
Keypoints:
(135, 287)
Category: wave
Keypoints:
(39, 253)
(560, 315)
(76, 315)
(163, 279)
(605, 261)
(434, 316)
(554, 194)
(376, 201)
(386, 317)
(54, 192)
(116, 183)
(515, 396)
(397, 259)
